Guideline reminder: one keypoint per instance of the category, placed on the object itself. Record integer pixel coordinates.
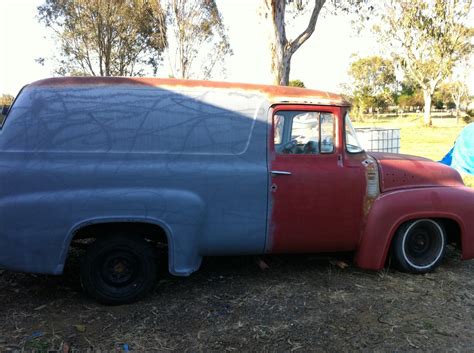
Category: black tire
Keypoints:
(419, 246)
(119, 269)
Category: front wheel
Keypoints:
(419, 246)
(119, 269)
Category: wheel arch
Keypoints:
(148, 228)
(389, 213)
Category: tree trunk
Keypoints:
(281, 65)
(282, 48)
(280, 43)
(427, 113)
(458, 103)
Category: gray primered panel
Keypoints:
(193, 162)
(136, 120)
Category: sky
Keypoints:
(321, 63)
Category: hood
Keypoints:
(400, 171)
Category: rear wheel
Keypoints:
(419, 246)
(119, 269)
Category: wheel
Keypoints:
(419, 246)
(119, 269)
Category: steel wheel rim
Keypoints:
(419, 246)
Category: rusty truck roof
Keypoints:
(276, 94)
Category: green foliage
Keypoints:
(106, 38)
(410, 102)
(410, 96)
(442, 96)
(469, 117)
(296, 83)
(6, 99)
(197, 28)
(373, 83)
(427, 39)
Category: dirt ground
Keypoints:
(300, 303)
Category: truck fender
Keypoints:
(179, 213)
(391, 210)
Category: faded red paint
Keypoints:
(398, 171)
(270, 91)
(323, 205)
(319, 206)
(392, 209)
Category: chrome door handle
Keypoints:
(280, 172)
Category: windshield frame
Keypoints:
(348, 124)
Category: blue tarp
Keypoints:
(461, 156)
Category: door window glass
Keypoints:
(352, 142)
(327, 132)
(278, 119)
(302, 132)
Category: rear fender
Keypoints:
(45, 223)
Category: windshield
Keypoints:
(352, 143)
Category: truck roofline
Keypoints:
(275, 94)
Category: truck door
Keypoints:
(315, 197)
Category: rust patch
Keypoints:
(280, 93)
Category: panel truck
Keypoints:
(124, 166)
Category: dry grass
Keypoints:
(301, 303)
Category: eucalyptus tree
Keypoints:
(373, 82)
(427, 39)
(282, 14)
(106, 38)
(198, 38)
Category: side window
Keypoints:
(303, 132)
(327, 132)
(278, 134)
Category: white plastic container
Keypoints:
(378, 139)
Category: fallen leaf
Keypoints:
(80, 328)
(262, 264)
(66, 348)
(341, 264)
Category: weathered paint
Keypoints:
(194, 157)
(192, 161)
(392, 209)
(319, 206)
(400, 171)
(275, 94)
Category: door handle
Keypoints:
(280, 172)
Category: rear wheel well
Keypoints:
(148, 231)
(139, 249)
(87, 235)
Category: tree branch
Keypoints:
(303, 37)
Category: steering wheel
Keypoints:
(289, 147)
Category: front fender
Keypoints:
(390, 210)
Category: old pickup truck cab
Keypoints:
(207, 168)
